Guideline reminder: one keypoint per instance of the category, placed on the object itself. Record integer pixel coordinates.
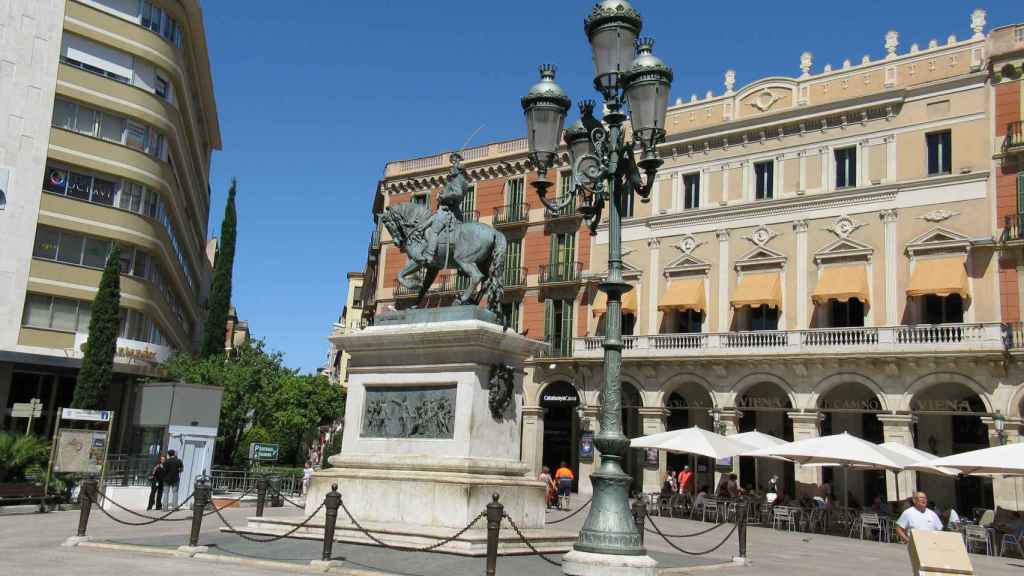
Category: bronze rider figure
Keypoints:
(449, 207)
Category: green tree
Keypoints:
(219, 303)
(20, 453)
(298, 407)
(98, 363)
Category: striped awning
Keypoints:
(842, 283)
(685, 294)
(764, 288)
(939, 276)
(600, 305)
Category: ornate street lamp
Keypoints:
(605, 172)
(1000, 423)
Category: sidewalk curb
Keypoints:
(683, 571)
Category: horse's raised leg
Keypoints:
(428, 280)
(471, 270)
(405, 275)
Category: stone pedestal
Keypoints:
(431, 432)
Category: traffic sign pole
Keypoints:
(49, 466)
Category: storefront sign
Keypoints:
(568, 399)
(759, 402)
(130, 351)
(940, 406)
(868, 404)
(587, 445)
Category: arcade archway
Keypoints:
(852, 407)
(763, 407)
(688, 404)
(560, 401)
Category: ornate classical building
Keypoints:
(836, 251)
(351, 319)
(110, 123)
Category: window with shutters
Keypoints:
(514, 191)
(510, 312)
(558, 327)
(563, 257)
(469, 205)
(1020, 193)
(514, 263)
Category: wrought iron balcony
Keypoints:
(561, 273)
(1012, 231)
(470, 215)
(514, 278)
(981, 337)
(511, 215)
(559, 348)
(1014, 137)
(567, 212)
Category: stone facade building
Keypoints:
(830, 252)
(110, 123)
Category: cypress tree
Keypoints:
(98, 363)
(219, 303)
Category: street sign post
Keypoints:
(264, 452)
(95, 444)
(31, 409)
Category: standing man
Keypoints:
(917, 517)
(172, 474)
(685, 480)
(564, 477)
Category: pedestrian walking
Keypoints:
(156, 484)
(550, 490)
(307, 476)
(564, 477)
(172, 474)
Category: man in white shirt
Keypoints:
(918, 517)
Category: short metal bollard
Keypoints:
(332, 501)
(261, 494)
(640, 516)
(86, 498)
(495, 512)
(742, 528)
(200, 499)
(275, 492)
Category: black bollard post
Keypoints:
(640, 516)
(742, 528)
(495, 512)
(261, 494)
(86, 498)
(332, 501)
(200, 498)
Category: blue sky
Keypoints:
(315, 99)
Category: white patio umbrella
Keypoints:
(835, 450)
(757, 440)
(1006, 460)
(918, 460)
(692, 440)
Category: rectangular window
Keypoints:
(563, 256)
(112, 128)
(691, 191)
(846, 167)
(626, 208)
(141, 264)
(421, 199)
(510, 312)
(56, 180)
(136, 136)
(64, 113)
(849, 314)
(565, 183)
(95, 253)
(161, 87)
(47, 240)
(940, 158)
(79, 186)
(85, 121)
(764, 317)
(84, 315)
(125, 262)
(764, 180)
(514, 256)
(689, 321)
(558, 327)
(514, 191)
(70, 250)
(65, 314)
(943, 309)
(469, 205)
(103, 191)
(131, 197)
(37, 311)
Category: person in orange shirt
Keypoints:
(564, 477)
(685, 480)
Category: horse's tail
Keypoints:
(496, 274)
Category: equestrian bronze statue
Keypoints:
(436, 241)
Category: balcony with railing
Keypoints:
(561, 273)
(567, 212)
(514, 278)
(559, 348)
(511, 215)
(1012, 231)
(470, 215)
(1014, 141)
(922, 338)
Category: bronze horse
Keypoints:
(476, 250)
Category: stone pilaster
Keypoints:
(891, 302)
(899, 428)
(723, 280)
(533, 438)
(1007, 492)
(800, 229)
(589, 423)
(652, 277)
(652, 421)
(805, 425)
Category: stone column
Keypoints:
(899, 428)
(652, 421)
(826, 161)
(590, 423)
(801, 186)
(1007, 492)
(723, 280)
(805, 425)
(891, 306)
(730, 424)
(800, 228)
(653, 278)
(890, 159)
(725, 184)
(533, 438)
(863, 163)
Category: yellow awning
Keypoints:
(683, 295)
(939, 276)
(600, 304)
(758, 289)
(842, 283)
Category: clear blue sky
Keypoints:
(315, 98)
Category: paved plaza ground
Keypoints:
(30, 545)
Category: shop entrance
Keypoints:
(689, 405)
(763, 407)
(949, 422)
(560, 401)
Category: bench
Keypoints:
(20, 494)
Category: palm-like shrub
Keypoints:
(19, 453)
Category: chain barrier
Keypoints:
(577, 511)
(270, 487)
(235, 531)
(708, 551)
(154, 519)
(701, 533)
(529, 544)
(430, 548)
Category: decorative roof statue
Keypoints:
(436, 241)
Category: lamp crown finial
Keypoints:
(586, 107)
(644, 45)
(547, 71)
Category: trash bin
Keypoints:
(274, 491)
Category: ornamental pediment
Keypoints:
(939, 239)
(764, 97)
(844, 249)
